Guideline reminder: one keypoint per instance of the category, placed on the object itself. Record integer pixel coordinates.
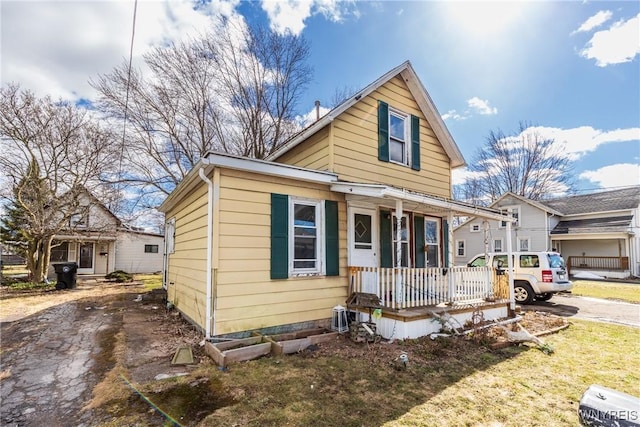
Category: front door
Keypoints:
(363, 244)
(85, 259)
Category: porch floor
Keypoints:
(427, 312)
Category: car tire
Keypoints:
(522, 292)
(544, 297)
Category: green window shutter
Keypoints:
(386, 244)
(415, 143)
(383, 131)
(418, 225)
(445, 242)
(331, 230)
(279, 236)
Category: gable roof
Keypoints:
(523, 199)
(604, 201)
(417, 89)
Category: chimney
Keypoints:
(317, 110)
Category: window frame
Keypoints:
(438, 240)
(473, 230)
(407, 241)
(320, 267)
(493, 245)
(511, 209)
(79, 220)
(406, 118)
(151, 248)
(464, 247)
(524, 239)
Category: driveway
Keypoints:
(52, 360)
(600, 310)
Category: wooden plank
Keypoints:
(228, 345)
(294, 346)
(214, 353)
(320, 338)
(246, 353)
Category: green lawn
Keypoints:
(629, 292)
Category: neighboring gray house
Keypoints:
(597, 232)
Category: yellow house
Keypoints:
(360, 201)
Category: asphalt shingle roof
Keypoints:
(594, 225)
(605, 201)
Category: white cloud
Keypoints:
(618, 175)
(481, 106)
(581, 140)
(452, 114)
(290, 15)
(311, 116)
(55, 47)
(618, 44)
(595, 21)
(462, 175)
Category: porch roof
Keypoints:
(619, 224)
(378, 191)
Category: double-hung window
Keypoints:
(515, 214)
(398, 137)
(305, 224)
(497, 245)
(304, 237)
(398, 145)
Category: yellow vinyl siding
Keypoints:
(187, 265)
(312, 153)
(356, 145)
(246, 296)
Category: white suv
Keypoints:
(538, 275)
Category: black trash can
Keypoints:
(66, 273)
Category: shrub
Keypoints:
(119, 276)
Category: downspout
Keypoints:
(209, 249)
(512, 301)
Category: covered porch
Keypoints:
(400, 249)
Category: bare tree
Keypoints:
(525, 163)
(233, 90)
(52, 153)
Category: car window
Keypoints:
(529, 261)
(500, 261)
(556, 261)
(478, 262)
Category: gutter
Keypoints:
(209, 248)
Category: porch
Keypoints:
(402, 288)
(605, 266)
(416, 302)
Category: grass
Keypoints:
(629, 292)
(448, 382)
(150, 281)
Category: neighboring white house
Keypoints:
(597, 232)
(100, 243)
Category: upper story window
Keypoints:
(515, 214)
(398, 137)
(398, 144)
(79, 220)
(475, 228)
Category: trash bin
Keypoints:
(66, 273)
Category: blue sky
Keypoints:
(572, 69)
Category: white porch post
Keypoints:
(399, 214)
(450, 242)
(399, 285)
(512, 301)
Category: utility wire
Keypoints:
(126, 100)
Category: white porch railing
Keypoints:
(400, 288)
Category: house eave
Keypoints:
(426, 104)
(213, 160)
(386, 192)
